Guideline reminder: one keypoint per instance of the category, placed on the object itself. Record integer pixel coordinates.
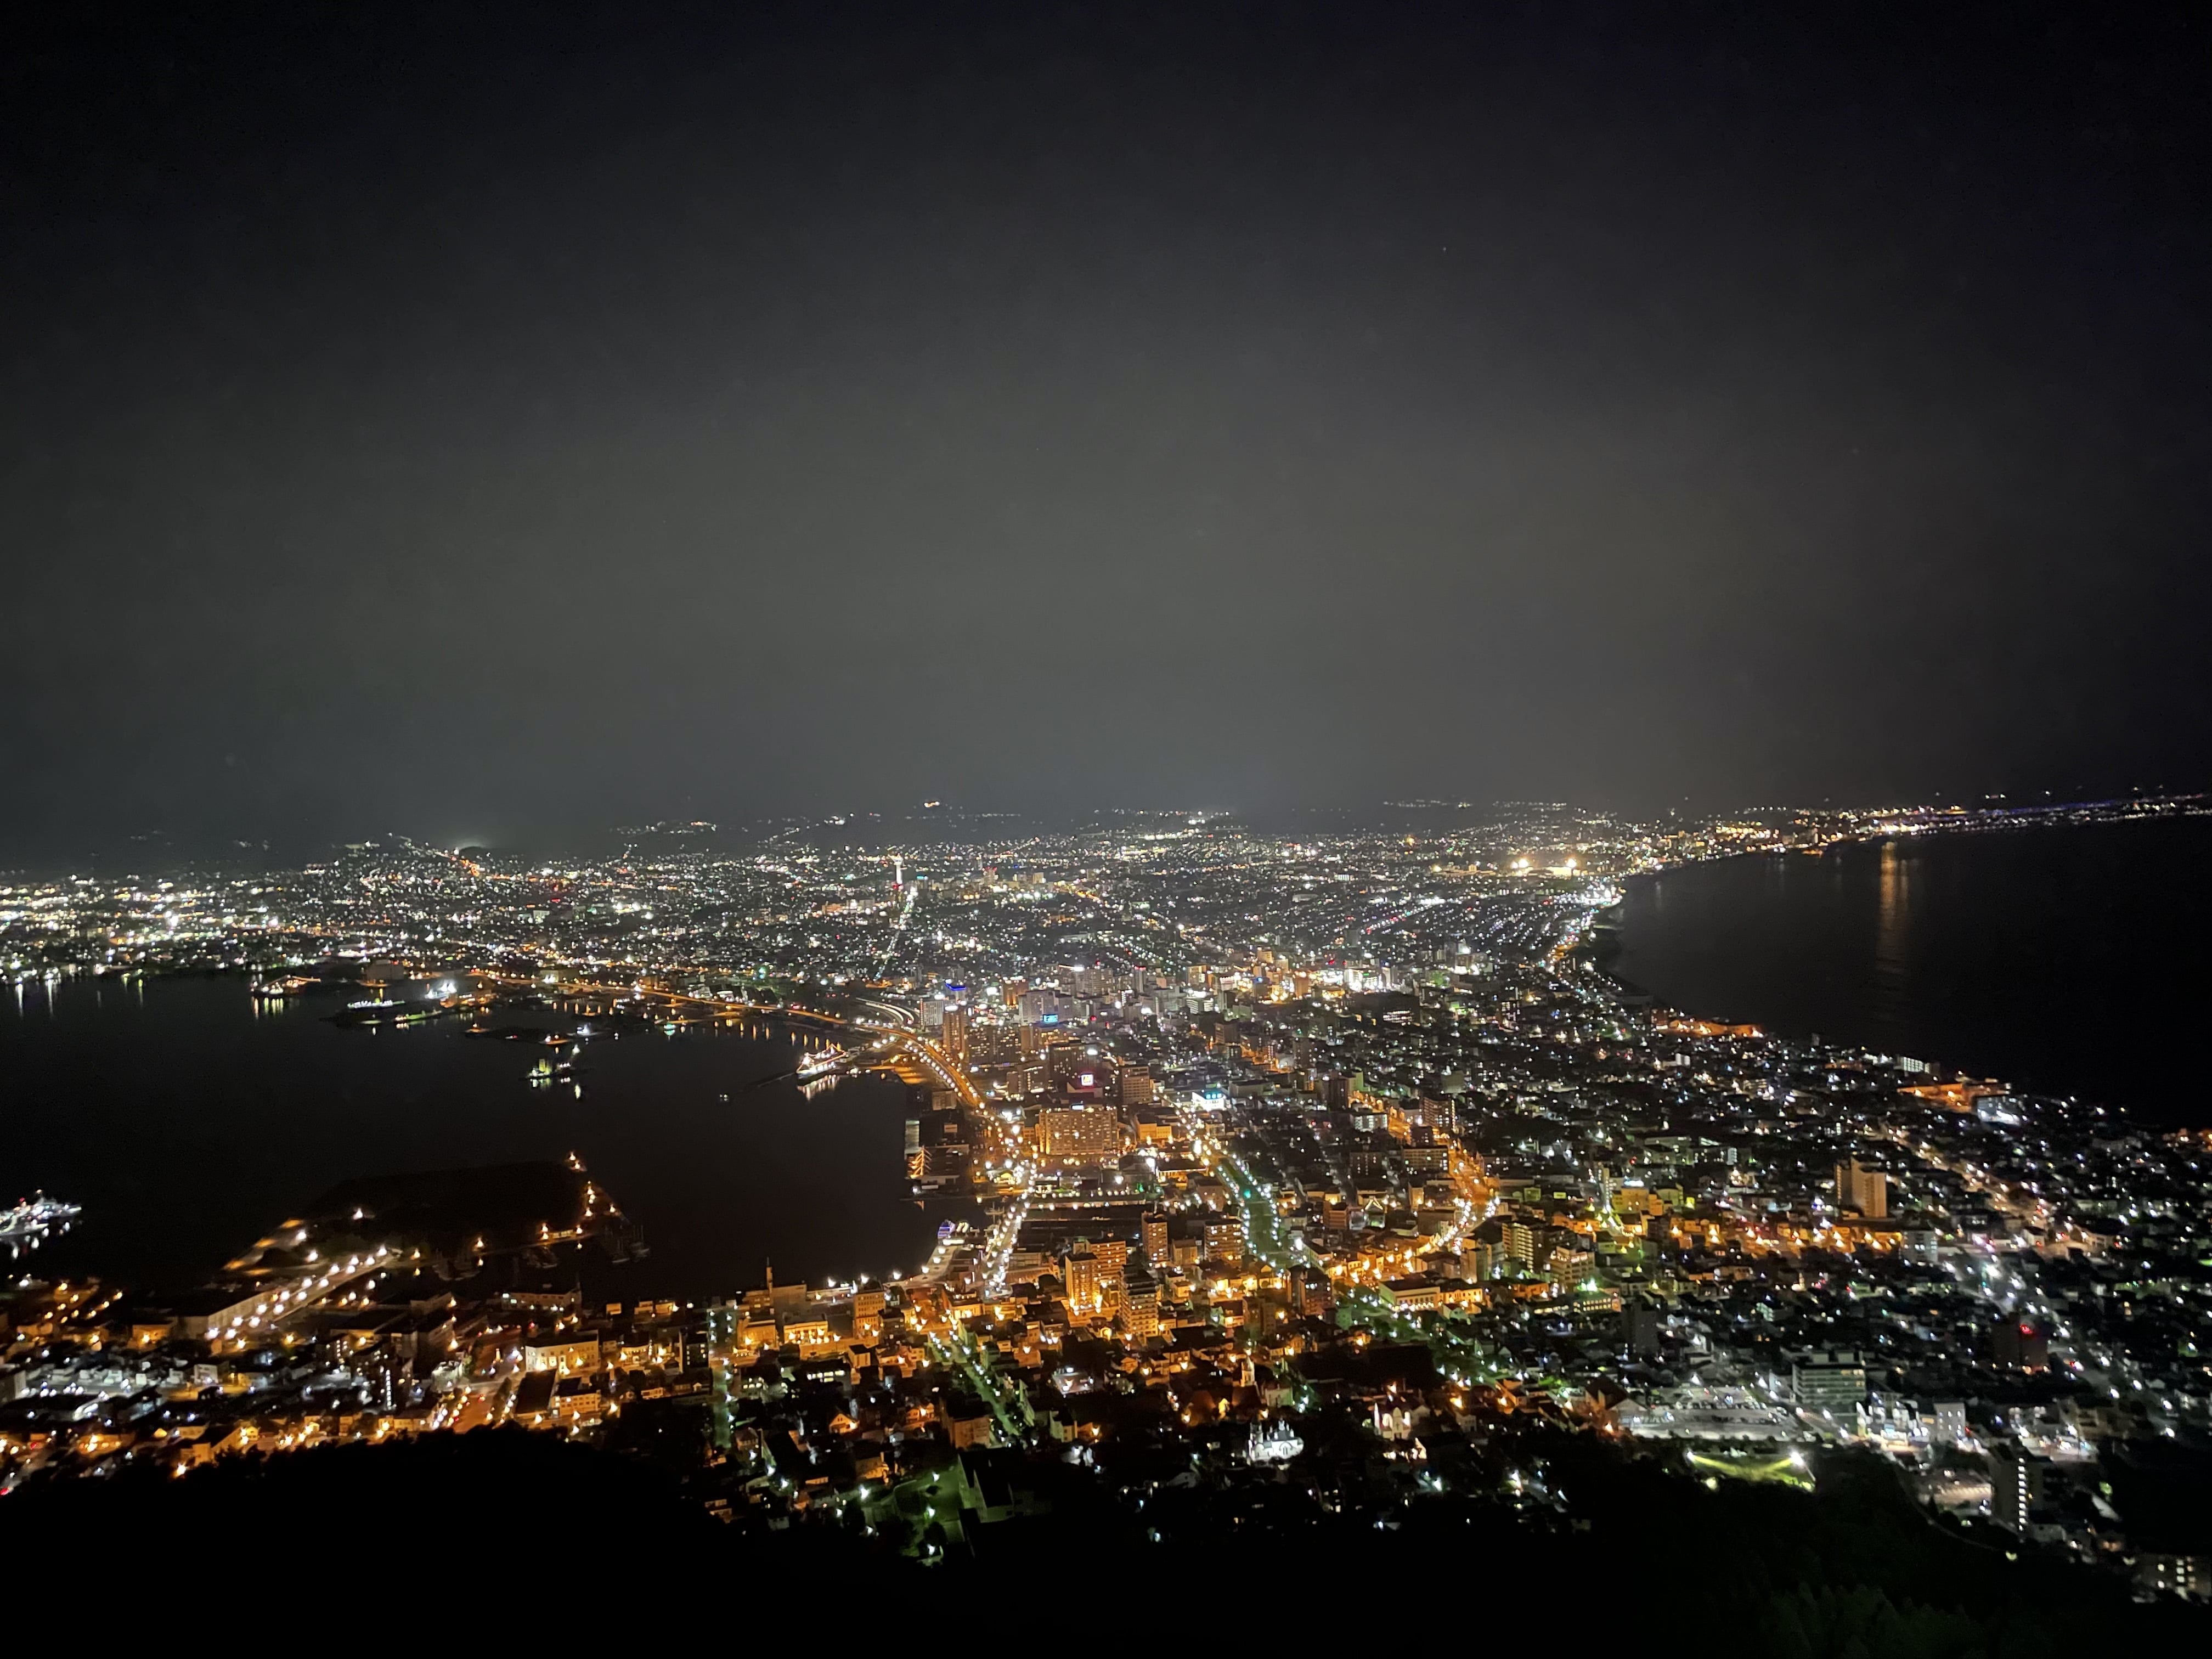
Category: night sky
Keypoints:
(476, 423)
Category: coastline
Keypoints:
(2057, 965)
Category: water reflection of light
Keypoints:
(1892, 922)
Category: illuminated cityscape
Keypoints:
(1249, 1148)
(1216, 821)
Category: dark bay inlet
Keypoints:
(185, 1118)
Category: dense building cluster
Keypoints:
(1276, 1170)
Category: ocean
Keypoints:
(2065, 959)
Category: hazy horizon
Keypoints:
(491, 420)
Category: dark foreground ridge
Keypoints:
(1599, 1537)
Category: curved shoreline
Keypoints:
(2039, 967)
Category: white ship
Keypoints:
(30, 1223)
(824, 1061)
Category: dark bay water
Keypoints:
(186, 1122)
(2066, 960)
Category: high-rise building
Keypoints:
(1155, 1238)
(940, 1164)
(1079, 1271)
(1141, 1304)
(1077, 1135)
(937, 1150)
(1079, 1068)
(1530, 1243)
(1186, 1241)
(956, 1031)
(2016, 1486)
(1311, 1294)
(2019, 1344)
(990, 1044)
(1832, 1380)
(1224, 1242)
(867, 1315)
(1860, 1189)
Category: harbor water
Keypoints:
(185, 1118)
